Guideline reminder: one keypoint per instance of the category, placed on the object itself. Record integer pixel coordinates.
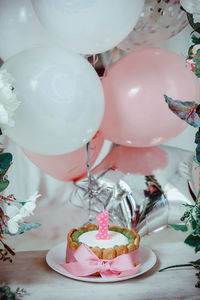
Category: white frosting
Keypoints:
(89, 238)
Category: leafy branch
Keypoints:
(189, 111)
(7, 294)
(12, 211)
(191, 217)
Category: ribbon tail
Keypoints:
(117, 274)
(80, 268)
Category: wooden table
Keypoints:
(30, 271)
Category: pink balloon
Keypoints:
(70, 166)
(133, 160)
(136, 113)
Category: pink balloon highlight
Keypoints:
(70, 166)
(102, 219)
(136, 113)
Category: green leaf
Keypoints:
(195, 26)
(179, 227)
(197, 248)
(197, 210)
(193, 222)
(196, 231)
(5, 160)
(6, 293)
(195, 40)
(188, 205)
(195, 160)
(197, 73)
(197, 285)
(198, 154)
(23, 227)
(28, 226)
(3, 184)
(193, 241)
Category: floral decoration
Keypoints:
(12, 211)
(189, 111)
(8, 100)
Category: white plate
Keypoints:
(56, 256)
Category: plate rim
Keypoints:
(63, 272)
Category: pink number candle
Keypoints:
(102, 219)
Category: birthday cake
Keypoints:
(108, 251)
(122, 241)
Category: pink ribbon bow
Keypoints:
(84, 262)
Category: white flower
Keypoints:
(28, 208)
(13, 224)
(16, 215)
(191, 6)
(196, 18)
(12, 212)
(8, 100)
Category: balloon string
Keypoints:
(92, 183)
(89, 174)
(95, 59)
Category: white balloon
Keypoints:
(20, 28)
(62, 101)
(88, 26)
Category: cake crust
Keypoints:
(109, 253)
